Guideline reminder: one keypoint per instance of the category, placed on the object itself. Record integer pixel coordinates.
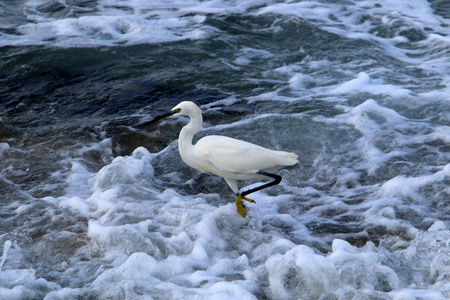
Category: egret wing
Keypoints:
(237, 156)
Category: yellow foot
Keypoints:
(240, 207)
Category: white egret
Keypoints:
(226, 157)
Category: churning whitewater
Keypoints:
(95, 206)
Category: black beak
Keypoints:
(158, 118)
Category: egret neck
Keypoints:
(185, 146)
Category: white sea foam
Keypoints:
(188, 246)
(402, 186)
(363, 83)
(184, 246)
(105, 30)
(115, 22)
(382, 169)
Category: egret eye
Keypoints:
(176, 110)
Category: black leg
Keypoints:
(277, 180)
(240, 206)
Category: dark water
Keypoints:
(359, 90)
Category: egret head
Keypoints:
(186, 108)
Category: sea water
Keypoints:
(95, 207)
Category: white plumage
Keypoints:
(226, 157)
